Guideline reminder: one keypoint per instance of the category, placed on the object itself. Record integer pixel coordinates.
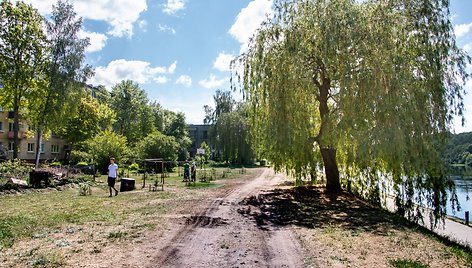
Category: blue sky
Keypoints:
(179, 50)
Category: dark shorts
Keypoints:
(111, 181)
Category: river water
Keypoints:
(464, 195)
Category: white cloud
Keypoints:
(457, 122)
(97, 40)
(143, 25)
(120, 15)
(213, 82)
(172, 67)
(160, 79)
(121, 69)
(249, 19)
(165, 28)
(223, 62)
(462, 29)
(184, 80)
(173, 6)
(467, 47)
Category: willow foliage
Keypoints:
(375, 82)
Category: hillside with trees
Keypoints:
(458, 151)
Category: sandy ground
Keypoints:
(220, 236)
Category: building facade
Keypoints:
(52, 147)
(198, 134)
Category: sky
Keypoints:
(179, 50)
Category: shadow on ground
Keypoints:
(311, 207)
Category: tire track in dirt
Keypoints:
(219, 236)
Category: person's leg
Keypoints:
(111, 184)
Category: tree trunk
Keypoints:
(333, 184)
(328, 153)
(39, 134)
(16, 128)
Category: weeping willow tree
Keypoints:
(365, 90)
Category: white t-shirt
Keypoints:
(112, 168)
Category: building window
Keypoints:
(205, 134)
(1, 109)
(54, 148)
(10, 126)
(1, 126)
(10, 146)
(42, 148)
(30, 147)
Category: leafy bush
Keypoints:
(85, 189)
(158, 145)
(79, 156)
(14, 169)
(107, 144)
(133, 167)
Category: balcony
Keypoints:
(21, 135)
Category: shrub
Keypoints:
(79, 156)
(85, 189)
(107, 144)
(14, 169)
(133, 167)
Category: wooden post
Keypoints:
(467, 218)
(144, 179)
(94, 171)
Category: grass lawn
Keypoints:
(32, 213)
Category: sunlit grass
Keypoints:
(29, 213)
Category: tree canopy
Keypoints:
(361, 89)
(22, 52)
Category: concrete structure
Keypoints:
(198, 134)
(52, 146)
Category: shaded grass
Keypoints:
(407, 264)
(340, 216)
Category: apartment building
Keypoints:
(198, 134)
(52, 147)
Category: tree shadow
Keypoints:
(311, 207)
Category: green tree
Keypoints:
(207, 149)
(106, 144)
(159, 114)
(365, 88)
(130, 102)
(158, 145)
(177, 128)
(22, 51)
(224, 103)
(232, 137)
(64, 69)
(89, 118)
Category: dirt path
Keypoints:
(221, 236)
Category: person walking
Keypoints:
(112, 174)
